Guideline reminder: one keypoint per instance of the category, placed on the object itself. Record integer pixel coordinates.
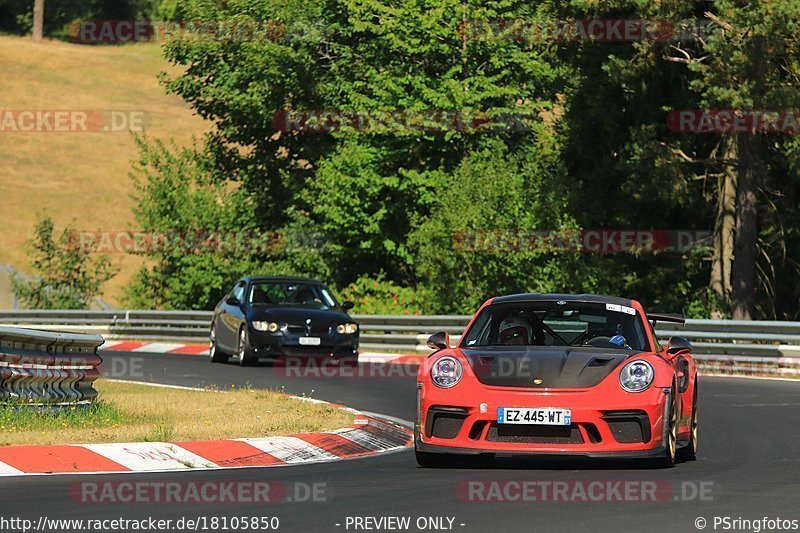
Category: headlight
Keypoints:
(446, 372)
(349, 329)
(636, 376)
(272, 327)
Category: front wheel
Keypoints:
(214, 353)
(689, 453)
(671, 429)
(244, 351)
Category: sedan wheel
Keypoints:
(244, 349)
(214, 353)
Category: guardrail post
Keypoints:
(48, 369)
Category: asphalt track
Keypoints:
(749, 464)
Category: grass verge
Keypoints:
(128, 412)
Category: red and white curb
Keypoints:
(367, 435)
(202, 349)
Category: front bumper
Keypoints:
(625, 454)
(282, 345)
(606, 421)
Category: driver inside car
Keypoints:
(517, 330)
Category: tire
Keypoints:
(671, 447)
(689, 452)
(244, 350)
(215, 355)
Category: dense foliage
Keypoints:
(591, 149)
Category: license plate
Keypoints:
(310, 341)
(547, 417)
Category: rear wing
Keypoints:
(659, 317)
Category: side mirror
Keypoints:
(439, 341)
(678, 345)
(347, 305)
(233, 301)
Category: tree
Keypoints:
(38, 19)
(67, 277)
(746, 59)
(364, 191)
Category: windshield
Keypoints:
(557, 323)
(291, 294)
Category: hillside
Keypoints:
(78, 177)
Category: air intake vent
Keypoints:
(600, 361)
(535, 434)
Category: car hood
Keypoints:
(297, 315)
(543, 367)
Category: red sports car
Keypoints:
(561, 375)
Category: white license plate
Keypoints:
(310, 341)
(547, 417)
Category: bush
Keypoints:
(179, 195)
(377, 296)
(67, 277)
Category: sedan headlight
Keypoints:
(636, 376)
(272, 327)
(348, 329)
(446, 372)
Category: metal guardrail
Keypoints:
(403, 332)
(48, 369)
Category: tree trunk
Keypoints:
(746, 246)
(724, 225)
(38, 20)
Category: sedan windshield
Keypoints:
(557, 323)
(291, 294)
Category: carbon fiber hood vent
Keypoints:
(540, 367)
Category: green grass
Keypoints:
(21, 417)
(129, 412)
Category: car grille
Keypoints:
(529, 434)
(300, 329)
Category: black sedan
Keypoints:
(276, 318)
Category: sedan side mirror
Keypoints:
(347, 305)
(439, 341)
(233, 301)
(678, 345)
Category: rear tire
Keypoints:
(215, 355)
